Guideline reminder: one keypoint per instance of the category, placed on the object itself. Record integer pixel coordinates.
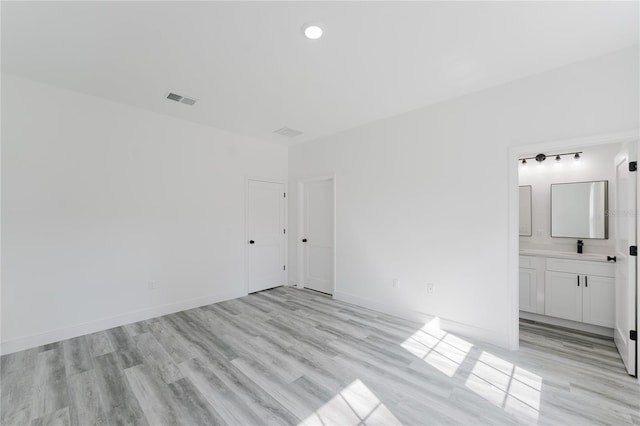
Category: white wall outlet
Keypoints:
(396, 283)
(430, 288)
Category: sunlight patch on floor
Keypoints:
(443, 351)
(354, 405)
(505, 385)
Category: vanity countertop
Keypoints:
(592, 257)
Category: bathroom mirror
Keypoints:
(525, 211)
(579, 210)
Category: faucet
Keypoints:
(580, 245)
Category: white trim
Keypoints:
(300, 214)
(513, 242)
(82, 329)
(246, 226)
(457, 328)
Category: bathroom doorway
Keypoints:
(553, 285)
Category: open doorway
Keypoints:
(550, 283)
(316, 231)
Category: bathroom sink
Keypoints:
(596, 257)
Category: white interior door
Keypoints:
(626, 283)
(317, 235)
(266, 235)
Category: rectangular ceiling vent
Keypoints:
(180, 98)
(288, 132)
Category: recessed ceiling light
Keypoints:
(312, 31)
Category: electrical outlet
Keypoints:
(396, 283)
(430, 288)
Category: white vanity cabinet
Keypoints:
(598, 301)
(568, 287)
(528, 284)
(580, 291)
(562, 295)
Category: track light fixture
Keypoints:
(541, 157)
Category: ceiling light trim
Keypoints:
(313, 30)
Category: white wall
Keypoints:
(99, 199)
(596, 164)
(423, 196)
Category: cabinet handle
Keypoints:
(586, 282)
(578, 277)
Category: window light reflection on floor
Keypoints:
(505, 385)
(443, 351)
(498, 381)
(353, 405)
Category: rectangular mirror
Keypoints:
(525, 211)
(579, 210)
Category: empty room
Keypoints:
(319, 213)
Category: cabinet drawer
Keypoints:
(580, 267)
(527, 261)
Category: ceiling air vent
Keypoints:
(179, 98)
(288, 132)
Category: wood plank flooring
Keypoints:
(288, 356)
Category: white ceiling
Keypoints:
(253, 72)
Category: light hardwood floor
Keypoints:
(288, 356)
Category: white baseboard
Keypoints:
(458, 328)
(59, 334)
(589, 328)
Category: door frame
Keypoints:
(246, 225)
(513, 243)
(300, 230)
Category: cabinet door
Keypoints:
(563, 295)
(598, 301)
(528, 290)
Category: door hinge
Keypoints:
(633, 166)
(633, 334)
(633, 250)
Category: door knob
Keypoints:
(304, 240)
(251, 241)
